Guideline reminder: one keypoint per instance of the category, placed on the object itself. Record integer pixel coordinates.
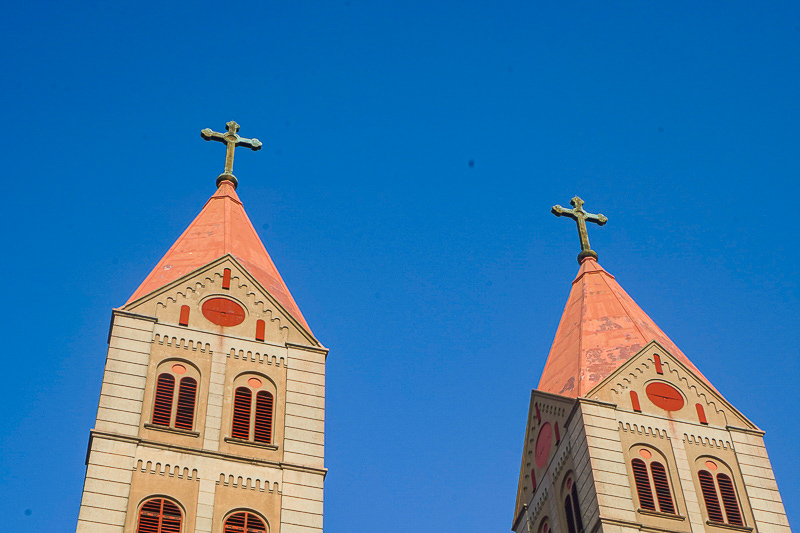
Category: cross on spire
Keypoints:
(580, 217)
(232, 140)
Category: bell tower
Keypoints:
(211, 414)
(625, 434)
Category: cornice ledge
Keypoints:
(199, 451)
(595, 401)
(118, 311)
(737, 429)
(306, 347)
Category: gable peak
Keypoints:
(601, 328)
(221, 228)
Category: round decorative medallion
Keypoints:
(645, 453)
(711, 465)
(664, 396)
(254, 382)
(543, 443)
(223, 312)
(178, 368)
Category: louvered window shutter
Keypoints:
(242, 401)
(244, 523)
(570, 515)
(165, 389)
(159, 516)
(577, 508)
(728, 494)
(184, 417)
(710, 496)
(643, 489)
(661, 483)
(263, 425)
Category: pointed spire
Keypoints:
(600, 329)
(221, 228)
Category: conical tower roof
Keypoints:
(221, 228)
(601, 328)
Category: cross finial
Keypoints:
(232, 140)
(580, 217)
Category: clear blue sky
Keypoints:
(437, 285)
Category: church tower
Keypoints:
(211, 415)
(625, 434)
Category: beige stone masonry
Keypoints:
(122, 392)
(107, 485)
(760, 484)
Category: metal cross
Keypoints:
(581, 217)
(232, 140)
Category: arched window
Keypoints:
(159, 515)
(252, 422)
(169, 409)
(244, 522)
(572, 509)
(649, 473)
(718, 487)
(545, 526)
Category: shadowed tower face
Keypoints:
(625, 434)
(211, 414)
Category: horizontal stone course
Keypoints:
(305, 388)
(313, 413)
(307, 366)
(116, 416)
(122, 391)
(302, 504)
(302, 435)
(289, 516)
(105, 501)
(305, 377)
(307, 424)
(309, 400)
(102, 515)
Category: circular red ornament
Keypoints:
(664, 396)
(254, 382)
(543, 443)
(711, 465)
(223, 312)
(645, 453)
(178, 368)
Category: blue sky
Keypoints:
(436, 283)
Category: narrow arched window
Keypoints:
(572, 509)
(651, 476)
(253, 412)
(661, 484)
(244, 522)
(545, 527)
(577, 508)
(570, 516)
(263, 422)
(728, 494)
(710, 496)
(718, 487)
(241, 413)
(184, 415)
(168, 410)
(165, 391)
(159, 515)
(642, 481)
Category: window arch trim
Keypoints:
(155, 520)
(175, 410)
(233, 528)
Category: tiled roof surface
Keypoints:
(601, 328)
(222, 227)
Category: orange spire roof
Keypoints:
(601, 328)
(221, 228)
